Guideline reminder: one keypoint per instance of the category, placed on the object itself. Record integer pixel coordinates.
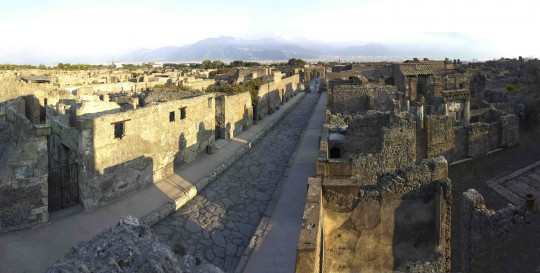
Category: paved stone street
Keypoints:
(218, 223)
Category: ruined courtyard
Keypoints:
(415, 166)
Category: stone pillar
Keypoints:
(420, 117)
(446, 107)
(420, 114)
(407, 105)
(467, 113)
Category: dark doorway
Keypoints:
(63, 175)
(335, 152)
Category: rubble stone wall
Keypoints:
(400, 223)
(397, 149)
(444, 138)
(348, 98)
(23, 173)
(480, 224)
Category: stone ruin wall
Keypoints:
(236, 113)
(480, 224)
(115, 87)
(442, 136)
(151, 148)
(273, 94)
(360, 98)
(23, 169)
(398, 148)
(401, 222)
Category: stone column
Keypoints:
(446, 107)
(407, 105)
(420, 116)
(466, 113)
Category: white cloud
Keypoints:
(105, 29)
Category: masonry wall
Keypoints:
(401, 223)
(150, 149)
(116, 87)
(398, 148)
(444, 138)
(272, 94)
(23, 172)
(238, 113)
(509, 130)
(480, 224)
(360, 98)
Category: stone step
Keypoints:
(220, 143)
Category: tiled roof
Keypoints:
(412, 71)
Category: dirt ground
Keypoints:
(517, 251)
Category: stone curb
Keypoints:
(168, 208)
(261, 228)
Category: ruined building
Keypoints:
(381, 200)
(92, 144)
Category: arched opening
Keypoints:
(335, 152)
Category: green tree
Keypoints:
(296, 62)
(206, 64)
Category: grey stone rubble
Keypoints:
(220, 221)
(129, 248)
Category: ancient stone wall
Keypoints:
(115, 87)
(400, 223)
(238, 113)
(480, 224)
(397, 149)
(23, 172)
(479, 139)
(274, 93)
(360, 98)
(122, 152)
(444, 138)
(373, 71)
(509, 130)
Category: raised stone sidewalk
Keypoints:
(34, 250)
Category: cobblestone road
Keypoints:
(217, 224)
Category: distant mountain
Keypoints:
(224, 48)
(365, 50)
(269, 49)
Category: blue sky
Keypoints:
(111, 27)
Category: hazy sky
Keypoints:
(96, 27)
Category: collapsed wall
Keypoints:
(128, 248)
(401, 222)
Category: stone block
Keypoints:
(42, 130)
(39, 210)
